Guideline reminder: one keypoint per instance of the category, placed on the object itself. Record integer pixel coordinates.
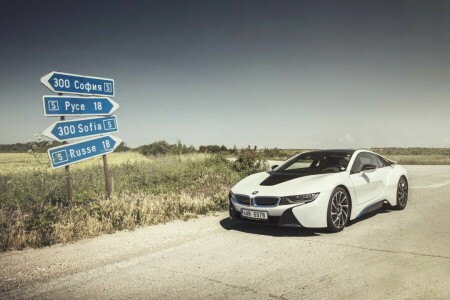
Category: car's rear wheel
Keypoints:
(338, 210)
(402, 193)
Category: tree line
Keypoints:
(42, 146)
(163, 148)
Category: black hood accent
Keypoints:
(280, 177)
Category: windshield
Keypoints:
(317, 162)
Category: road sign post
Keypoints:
(94, 103)
(107, 178)
(68, 178)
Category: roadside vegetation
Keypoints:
(417, 156)
(412, 155)
(147, 190)
(152, 184)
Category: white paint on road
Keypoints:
(431, 186)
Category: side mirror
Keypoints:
(274, 167)
(368, 168)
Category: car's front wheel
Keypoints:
(338, 210)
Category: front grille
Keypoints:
(243, 199)
(266, 200)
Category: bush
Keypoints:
(159, 148)
(213, 149)
(249, 162)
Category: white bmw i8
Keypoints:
(320, 189)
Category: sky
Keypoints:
(286, 74)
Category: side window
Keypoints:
(378, 161)
(366, 159)
(381, 161)
(357, 164)
(385, 161)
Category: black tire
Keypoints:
(402, 193)
(338, 212)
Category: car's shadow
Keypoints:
(270, 230)
(275, 231)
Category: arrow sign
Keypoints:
(78, 84)
(72, 153)
(78, 106)
(74, 129)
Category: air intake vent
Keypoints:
(243, 199)
(266, 201)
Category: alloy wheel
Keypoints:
(339, 209)
(402, 192)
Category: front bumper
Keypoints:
(311, 215)
(286, 219)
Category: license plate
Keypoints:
(254, 214)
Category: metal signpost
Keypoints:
(78, 106)
(68, 175)
(61, 106)
(75, 129)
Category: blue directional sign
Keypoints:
(74, 129)
(78, 106)
(72, 153)
(78, 84)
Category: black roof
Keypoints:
(340, 151)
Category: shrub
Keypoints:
(249, 162)
(159, 148)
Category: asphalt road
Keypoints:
(385, 255)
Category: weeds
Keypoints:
(34, 212)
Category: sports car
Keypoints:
(320, 189)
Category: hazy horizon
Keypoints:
(286, 74)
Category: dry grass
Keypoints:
(20, 162)
(126, 211)
(405, 159)
(34, 211)
(421, 159)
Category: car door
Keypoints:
(368, 185)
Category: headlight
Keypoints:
(305, 198)
(232, 197)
